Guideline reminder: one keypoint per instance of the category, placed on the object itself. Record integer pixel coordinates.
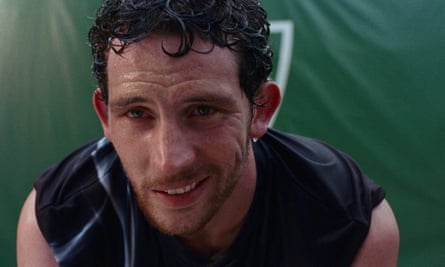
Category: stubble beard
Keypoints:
(185, 223)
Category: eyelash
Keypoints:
(203, 110)
(199, 110)
(140, 114)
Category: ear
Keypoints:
(102, 111)
(268, 100)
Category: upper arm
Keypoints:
(381, 246)
(32, 248)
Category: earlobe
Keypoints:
(102, 112)
(268, 100)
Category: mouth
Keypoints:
(181, 196)
(182, 190)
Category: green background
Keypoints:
(367, 76)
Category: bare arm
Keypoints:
(32, 248)
(381, 246)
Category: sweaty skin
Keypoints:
(182, 128)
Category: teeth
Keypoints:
(182, 190)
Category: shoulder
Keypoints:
(323, 172)
(32, 249)
(325, 193)
(73, 191)
(310, 154)
(381, 246)
(78, 203)
(75, 173)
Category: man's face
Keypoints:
(181, 129)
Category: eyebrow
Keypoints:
(124, 102)
(219, 100)
(215, 99)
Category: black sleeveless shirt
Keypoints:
(312, 207)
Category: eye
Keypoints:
(204, 110)
(136, 114)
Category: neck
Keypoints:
(210, 244)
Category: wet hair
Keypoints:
(240, 25)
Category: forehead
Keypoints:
(153, 53)
(145, 70)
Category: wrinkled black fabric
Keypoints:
(312, 207)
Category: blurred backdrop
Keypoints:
(367, 76)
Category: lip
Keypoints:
(182, 190)
(181, 200)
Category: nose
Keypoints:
(173, 149)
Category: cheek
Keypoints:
(230, 147)
(133, 155)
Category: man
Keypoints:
(188, 173)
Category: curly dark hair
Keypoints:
(240, 25)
